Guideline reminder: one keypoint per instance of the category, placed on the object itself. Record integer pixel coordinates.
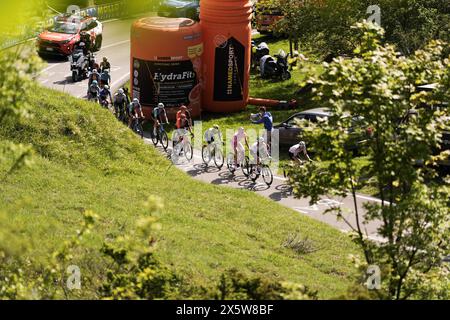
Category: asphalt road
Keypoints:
(116, 46)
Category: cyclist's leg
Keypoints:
(240, 152)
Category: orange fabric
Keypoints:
(222, 21)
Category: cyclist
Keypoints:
(94, 75)
(296, 150)
(120, 102)
(267, 119)
(94, 90)
(135, 112)
(236, 144)
(212, 133)
(104, 94)
(105, 65)
(183, 122)
(105, 78)
(259, 151)
(158, 116)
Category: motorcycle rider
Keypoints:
(86, 39)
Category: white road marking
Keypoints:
(50, 67)
(371, 199)
(115, 44)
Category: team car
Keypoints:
(179, 9)
(64, 34)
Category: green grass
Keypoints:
(85, 159)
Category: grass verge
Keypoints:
(85, 160)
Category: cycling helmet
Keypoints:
(161, 105)
(136, 101)
(121, 91)
(261, 140)
(106, 71)
(95, 82)
(302, 144)
(241, 130)
(216, 126)
(106, 87)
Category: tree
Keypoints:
(379, 86)
(325, 25)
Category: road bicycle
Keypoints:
(159, 135)
(213, 152)
(243, 161)
(183, 146)
(137, 127)
(261, 168)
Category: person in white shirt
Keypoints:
(299, 149)
(213, 134)
(259, 151)
(236, 144)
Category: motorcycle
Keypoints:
(79, 65)
(275, 67)
(259, 51)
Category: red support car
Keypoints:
(61, 38)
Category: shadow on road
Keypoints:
(66, 81)
(225, 177)
(200, 169)
(284, 191)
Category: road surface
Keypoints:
(116, 47)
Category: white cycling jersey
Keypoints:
(296, 150)
(211, 133)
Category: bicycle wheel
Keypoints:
(141, 130)
(164, 140)
(206, 155)
(254, 173)
(230, 162)
(267, 175)
(155, 138)
(188, 152)
(218, 158)
(246, 166)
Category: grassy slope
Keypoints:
(86, 160)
